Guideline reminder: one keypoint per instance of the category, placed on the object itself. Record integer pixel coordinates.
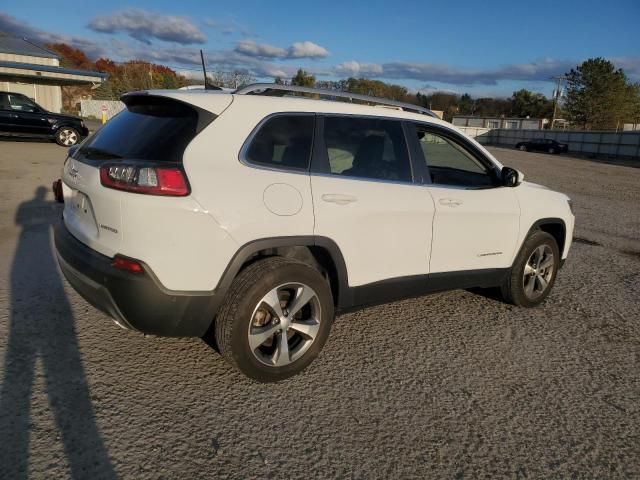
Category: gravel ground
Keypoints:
(453, 385)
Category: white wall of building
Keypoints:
(48, 97)
(12, 57)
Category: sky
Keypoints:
(482, 48)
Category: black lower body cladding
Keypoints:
(135, 301)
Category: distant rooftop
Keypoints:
(22, 46)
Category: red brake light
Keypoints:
(126, 264)
(170, 181)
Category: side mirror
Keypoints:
(511, 177)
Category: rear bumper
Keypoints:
(135, 301)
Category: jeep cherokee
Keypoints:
(258, 216)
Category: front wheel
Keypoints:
(67, 136)
(523, 148)
(552, 150)
(534, 271)
(275, 319)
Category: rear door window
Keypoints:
(367, 148)
(283, 141)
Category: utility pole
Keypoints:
(556, 97)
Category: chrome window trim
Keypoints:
(361, 179)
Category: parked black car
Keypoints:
(22, 117)
(542, 145)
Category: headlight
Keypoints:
(570, 202)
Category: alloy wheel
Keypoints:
(68, 137)
(284, 324)
(538, 272)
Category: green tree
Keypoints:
(634, 103)
(597, 95)
(303, 79)
(492, 107)
(466, 105)
(376, 88)
(525, 103)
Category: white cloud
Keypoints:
(307, 50)
(357, 69)
(537, 71)
(144, 26)
(260, 50)
(297, 50)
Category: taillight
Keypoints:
(126, 264)
(155, 180)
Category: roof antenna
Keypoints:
(207, 85)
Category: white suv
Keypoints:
(256, 216)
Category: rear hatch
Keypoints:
(139, 151)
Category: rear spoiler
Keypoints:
(145, 99)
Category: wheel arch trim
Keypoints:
(542, 222)
(249, 249)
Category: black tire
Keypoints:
(522, 148)
(67, 136)
(513, 289)
(552, 150)
(235, 317)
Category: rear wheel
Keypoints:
(275, 319)
(523, 148)
(534, 271)
(67, 136)
(552, 150)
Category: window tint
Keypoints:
(366, 148)
(283, 141)
(153, 130)
(20, 103)
(450, 163)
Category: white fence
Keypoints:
(594, 143)
(93, 108)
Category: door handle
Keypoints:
(339, 198)
(450, 202)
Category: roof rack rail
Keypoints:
(276, 90)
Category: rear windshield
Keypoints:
(150, 129)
